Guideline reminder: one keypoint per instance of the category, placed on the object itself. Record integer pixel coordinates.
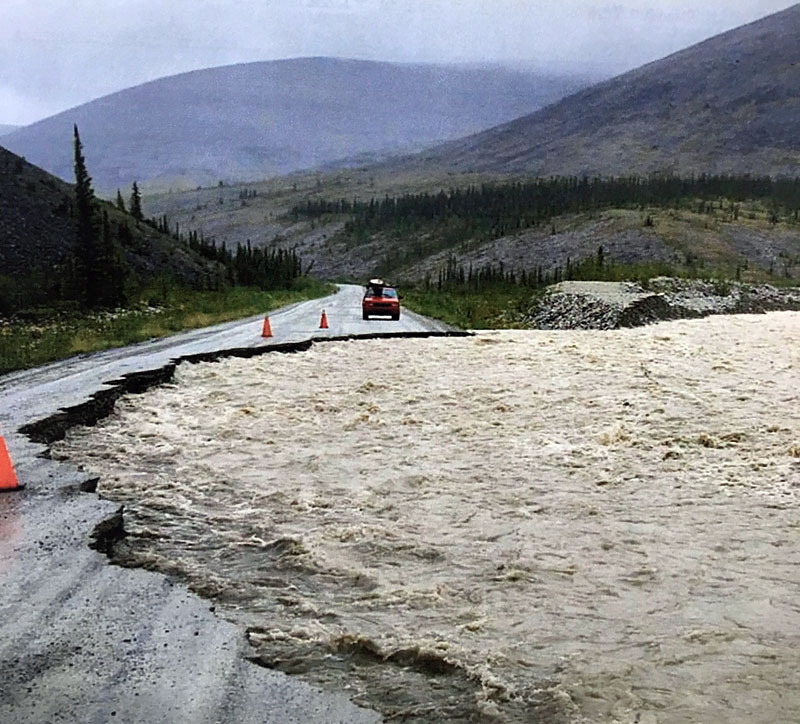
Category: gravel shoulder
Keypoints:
(611, 305)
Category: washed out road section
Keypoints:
(575, 526)
(29, 395)
(83, 641)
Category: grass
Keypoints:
(492, 307)
(165, 311)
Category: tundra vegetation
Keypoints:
(451, 225)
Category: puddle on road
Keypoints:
(521, 526)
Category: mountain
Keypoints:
(5, 128)
(38, 231)
(255, 120)
(35, 216)
(729, 104)
(701, 231)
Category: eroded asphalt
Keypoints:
(85, 641)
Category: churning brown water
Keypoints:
(518, 526)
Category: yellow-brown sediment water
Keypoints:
(517, 526)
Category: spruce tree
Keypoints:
(86, 243)
(98, 266)
(120, 201)
(136, 203)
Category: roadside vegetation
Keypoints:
(44, 335)
(96, 299)
(466, 308)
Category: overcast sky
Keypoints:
(55, 54)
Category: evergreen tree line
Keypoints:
(455, 275)
(264, 268)
(246, 266)
(497, 209)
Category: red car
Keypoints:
(380, 299)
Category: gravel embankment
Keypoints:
(611, 305)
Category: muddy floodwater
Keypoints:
(519, 526)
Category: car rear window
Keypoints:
(387, 292)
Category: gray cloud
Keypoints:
(58, 53)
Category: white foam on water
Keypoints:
(611, 517)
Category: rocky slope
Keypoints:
(611, 305)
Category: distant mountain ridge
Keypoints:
(728, 104)
(5, 128)
(255, 120)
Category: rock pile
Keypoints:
(610, 305)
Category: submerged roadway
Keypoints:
(85, 641)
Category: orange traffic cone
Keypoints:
(323, 322)
(266, 330)
(8, 478)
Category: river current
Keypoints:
(518, 526)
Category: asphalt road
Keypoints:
(84, 641)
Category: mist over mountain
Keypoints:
(5, 128)
(729, 104)
(255, 120)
